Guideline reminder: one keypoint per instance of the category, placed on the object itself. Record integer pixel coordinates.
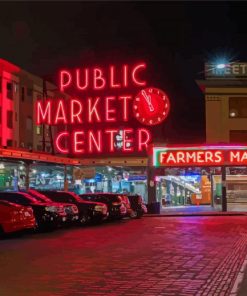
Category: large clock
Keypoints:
(151, 106)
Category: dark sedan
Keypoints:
(70, 209)
(88, 211)
(116, 207)
(137, 205)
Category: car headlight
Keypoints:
(99, 208)
(52, 209)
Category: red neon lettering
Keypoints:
(112, 78)
(78, 79)
(200, 155)
(93, 142)
(43, 116)
(60, 115)
(209, 156)
(163, 157)
(58, 145)
(77, 143)
(180, 157)
(73, 113)
(65, 79)
(108, 111)
(125, 100)
(219, 157)
(98, 81)
(171, 158)
(126, 141)
(92, 110)
(144, 138)
(111, 132)
(137, 69)
(234, 156)
(125, 75)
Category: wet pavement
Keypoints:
(152, 256)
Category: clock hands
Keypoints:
(148, 100)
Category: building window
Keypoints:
(23, 94)
(238, 107)
(39, 147)
(29, 123)
(9, 143)
(38, 129)
(9, 119)
(238, 136)
(10, 90)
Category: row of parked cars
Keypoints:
(47, 210)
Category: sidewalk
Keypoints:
(184, 211)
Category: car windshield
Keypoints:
(62, 196)
(100, 197)
(38, 196)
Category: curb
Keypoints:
(195, 215)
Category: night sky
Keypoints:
(175, 39)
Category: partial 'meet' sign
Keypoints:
(226, 71)
(98, 118)
(200, 156)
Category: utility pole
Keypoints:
(43, 126)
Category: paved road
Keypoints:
(153, 256)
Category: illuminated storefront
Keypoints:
(201, 175)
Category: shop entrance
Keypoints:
(181, 188)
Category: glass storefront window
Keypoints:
(189, 187)
(129, 180)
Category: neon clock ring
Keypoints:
(151, 106)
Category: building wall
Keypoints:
(219, 123)
(26, 89)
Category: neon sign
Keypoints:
(92, 123)
(199, 156)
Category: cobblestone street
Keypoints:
(151, 256)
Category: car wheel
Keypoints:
(83, 220)
(133, 215)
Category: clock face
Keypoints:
(151, 106)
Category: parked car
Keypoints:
(137, 205)
(116, 207)
(88, 211)
(126, 202)
(14, 217)
(70, 209)
(48, 216)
